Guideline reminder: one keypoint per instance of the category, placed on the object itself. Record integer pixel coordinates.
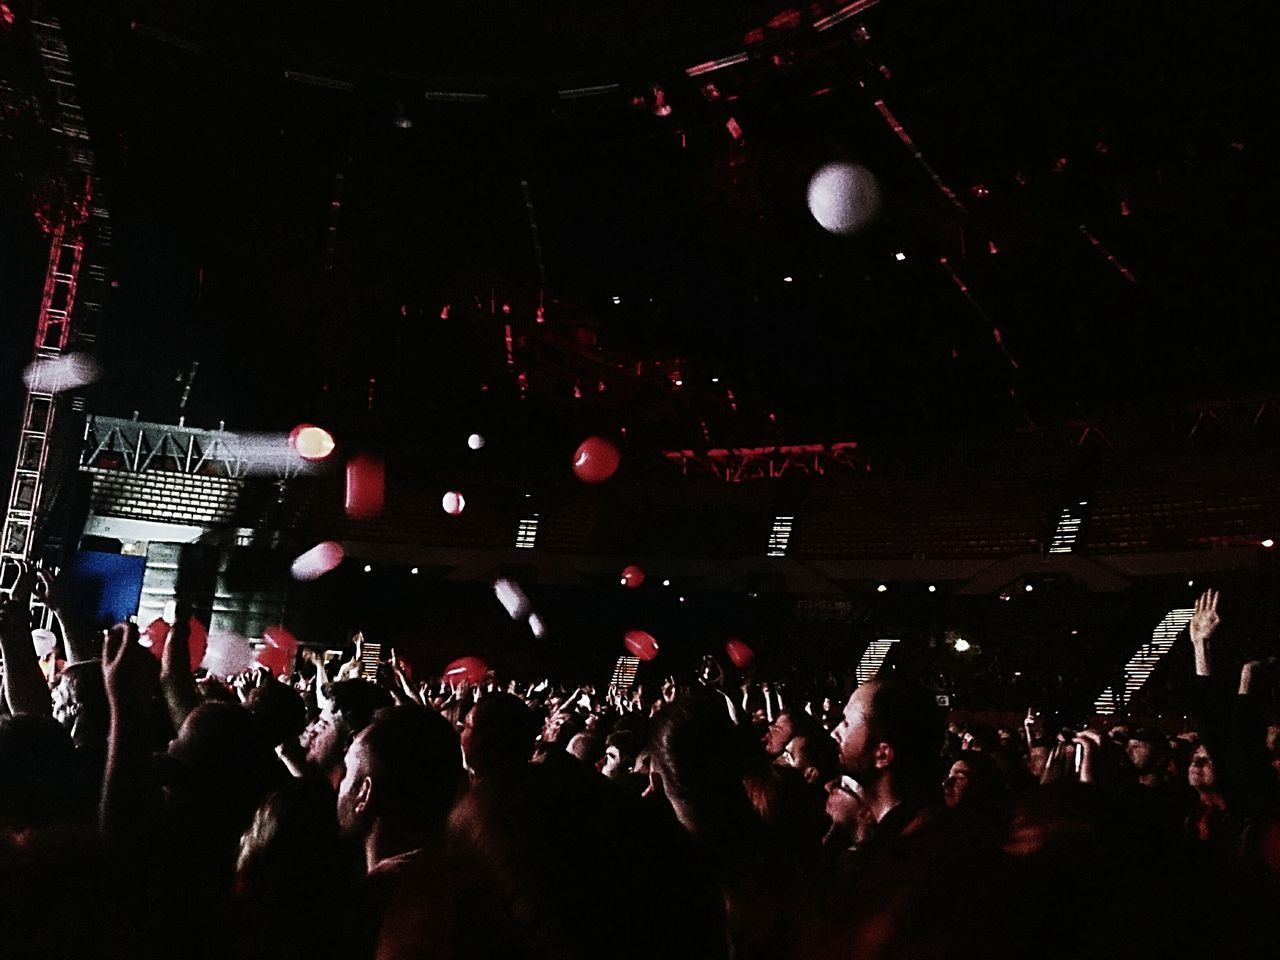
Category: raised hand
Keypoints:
(24, 684)
(669, 689)
(124, 666)
(1205, 619)
(1204, 622)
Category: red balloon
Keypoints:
(366, 487)
(596, 461)
(632, 576)
(471, 669)
(277, 661)
(640, 644)
(278, 636)
(198, 643)
(157, 631)
(277, 655)
(739, 653)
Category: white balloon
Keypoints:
(454, 503)
(475, 441)
(56, 374)
(512, 598)
(843, 197)
(537, 626)
(318, 561)
(227, 654)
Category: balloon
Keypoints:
(198, 642)
(471, 669)
(596, 460)
(227, 654)
(537, 627)
(274, 659)
(366, 486)
(475, 441)
(277, 655)
(632, 576)
(512, 598)
(454, 503)
(318, 561)
(158, 631)
(640, 644)
(311, 442)
(739, 653)
(843, 198)
(278, 636)
(156, 634)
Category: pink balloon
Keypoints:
(596, 460)
(366, 486)
(471, 669)
(227, 654)
(640, 644)
(318, 561)
(632, 577)
(741, 655)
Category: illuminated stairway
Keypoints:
(873, 659)
(1141, 665)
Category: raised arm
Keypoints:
(129, 794)
(176, 680)
(25, 690)
(1204, 623)
(79, 634)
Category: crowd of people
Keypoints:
(149, 811)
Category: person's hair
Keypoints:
(986, 788)
(502, 733)
(280, 711)
(587, 747)
(805, 725)
(225, 768)
(625, 741)
(38, 781)
(416, 760)
(292, 844)
(906, 717)
(86, 688)
(358, 701)
(820, 751)
(696, 750)
(551, 869)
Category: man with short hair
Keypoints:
(402, 775)
(889, 743)
(351, 706)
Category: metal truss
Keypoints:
(740, 464)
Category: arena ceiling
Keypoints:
(1096, 177)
